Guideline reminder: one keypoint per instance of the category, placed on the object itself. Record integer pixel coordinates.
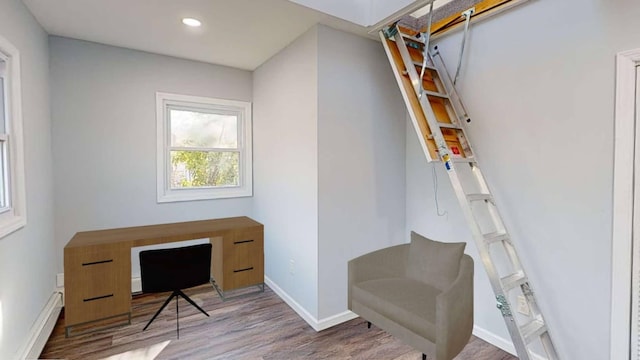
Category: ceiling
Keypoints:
(237, 33)
(425, 10)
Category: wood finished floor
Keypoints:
(260, 327)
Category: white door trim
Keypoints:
(623, 173)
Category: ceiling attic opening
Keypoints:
(447, 14)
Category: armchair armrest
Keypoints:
(454, 312)
(383, 263)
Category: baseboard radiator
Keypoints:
(41, 329)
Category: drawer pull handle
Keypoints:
(242, 242)
(97, 262)
(241, 270)
(98, 297)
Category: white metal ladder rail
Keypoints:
(524, 333)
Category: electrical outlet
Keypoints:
(523, 307)
(60, 280)
(292, 267)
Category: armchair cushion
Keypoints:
(402, 300)
(433, 260)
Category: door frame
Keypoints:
(623, 184)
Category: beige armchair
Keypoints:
(421, 293)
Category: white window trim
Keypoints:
(623, 184)
(165, 193)
(16, 217)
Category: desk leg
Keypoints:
(236, 293)
(68, 329)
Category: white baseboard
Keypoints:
(499, 341)
(336, 319)
(41, 329)
(326, 323)
(495, 340)
(317, 325)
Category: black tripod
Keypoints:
(175, 294)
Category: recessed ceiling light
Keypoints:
(191, 22)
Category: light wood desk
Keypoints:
(97, 264)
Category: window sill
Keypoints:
(10, 224)
(205, 194)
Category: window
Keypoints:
(12, 185)
(204, 148)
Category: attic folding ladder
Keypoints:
(439, 118)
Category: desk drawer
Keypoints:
(244, 277)
(243, 253)
(238, 260)
(97, 283)
(100, 279)
(99, 307)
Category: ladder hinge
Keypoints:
(503, 305)
(390, 31)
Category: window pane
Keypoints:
(191, 169)
(3, 175)
(3, 144)
(2, 105)
(200, 129)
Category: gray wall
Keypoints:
(27, 257)
(285, 123)
(329, 164)
(104, 135)
(542, 100)
(361, 132)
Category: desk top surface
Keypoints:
(161, 233)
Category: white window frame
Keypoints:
(14, 215)
(626, 162)
(165, 192)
